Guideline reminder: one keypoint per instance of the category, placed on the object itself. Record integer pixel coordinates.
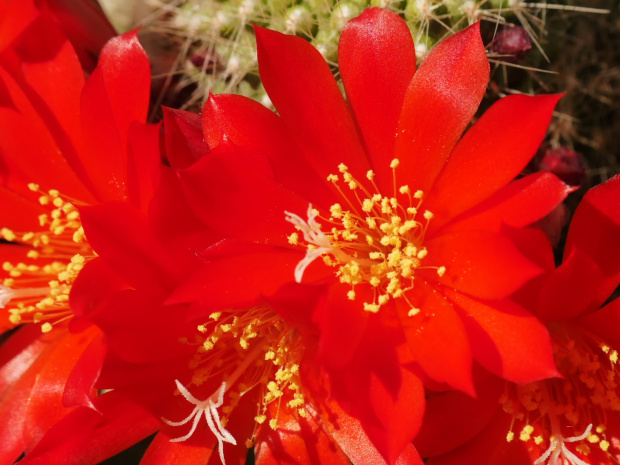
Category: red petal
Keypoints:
(506, 339)
(518, 204)
(140, 337)
(443, 96)
(488, 448)
(377, 61)
(95, 285)
(604, 323)
(15, 16)
(53, 82)
(123, 239)
(19, 213)
(238, 281)
(143, 164)
(375, 388)
(480, 263)
(15, 398)
(569, 289)
(304, 91)
(110, 103)
(18, 353)
(79, 386)
(185, 142)
(595, 229)
(45, 164)
(301, 438)
(233, 119)
(342, 323)
(87, 437)
(45, 403)
(454, 418)
(491, 154)
(428, 335)
(163, 452)
(86, 26)
(399, 415)
(238, 182)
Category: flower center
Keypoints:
(567, 416)
(244, 351)
(38, 291)
(374, 239)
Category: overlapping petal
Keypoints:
(439, 104)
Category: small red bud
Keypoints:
(565, 163)
(513, 41)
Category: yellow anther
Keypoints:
(604, 445)
(260, 419)
(8, 234)
(404, 190)
(441, 271)
(370, 175)
(418, 194)
(422, 253)
(526, 433)
(428, 215)
(293, 239)
(351, 295)
(538, 440)
(343, 168)
(46, 327)
(373, 308)
(367, 205)
(273, 423)
(394, 163)
(58, 202)
(332, 178)
(33, 187)
(413, 311)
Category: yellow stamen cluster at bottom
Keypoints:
(566, 417)
(375, 239)
(248, 350)
(37, 289)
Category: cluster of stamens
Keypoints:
(38, 291)
(247, 350)
(556, 412)
(374, 239)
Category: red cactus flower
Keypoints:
(63, 144)
(380, 213)
(574, 419)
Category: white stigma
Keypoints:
(557, 448)
(209, 407)
(312, 235)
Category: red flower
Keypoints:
(222, 365)
(416, 267)
(66, 140)
(574, 419)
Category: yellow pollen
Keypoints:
(38, 291)
(371, 238)
(586, 395)
(413, 312)
(510, 436)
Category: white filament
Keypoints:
(313, 236)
